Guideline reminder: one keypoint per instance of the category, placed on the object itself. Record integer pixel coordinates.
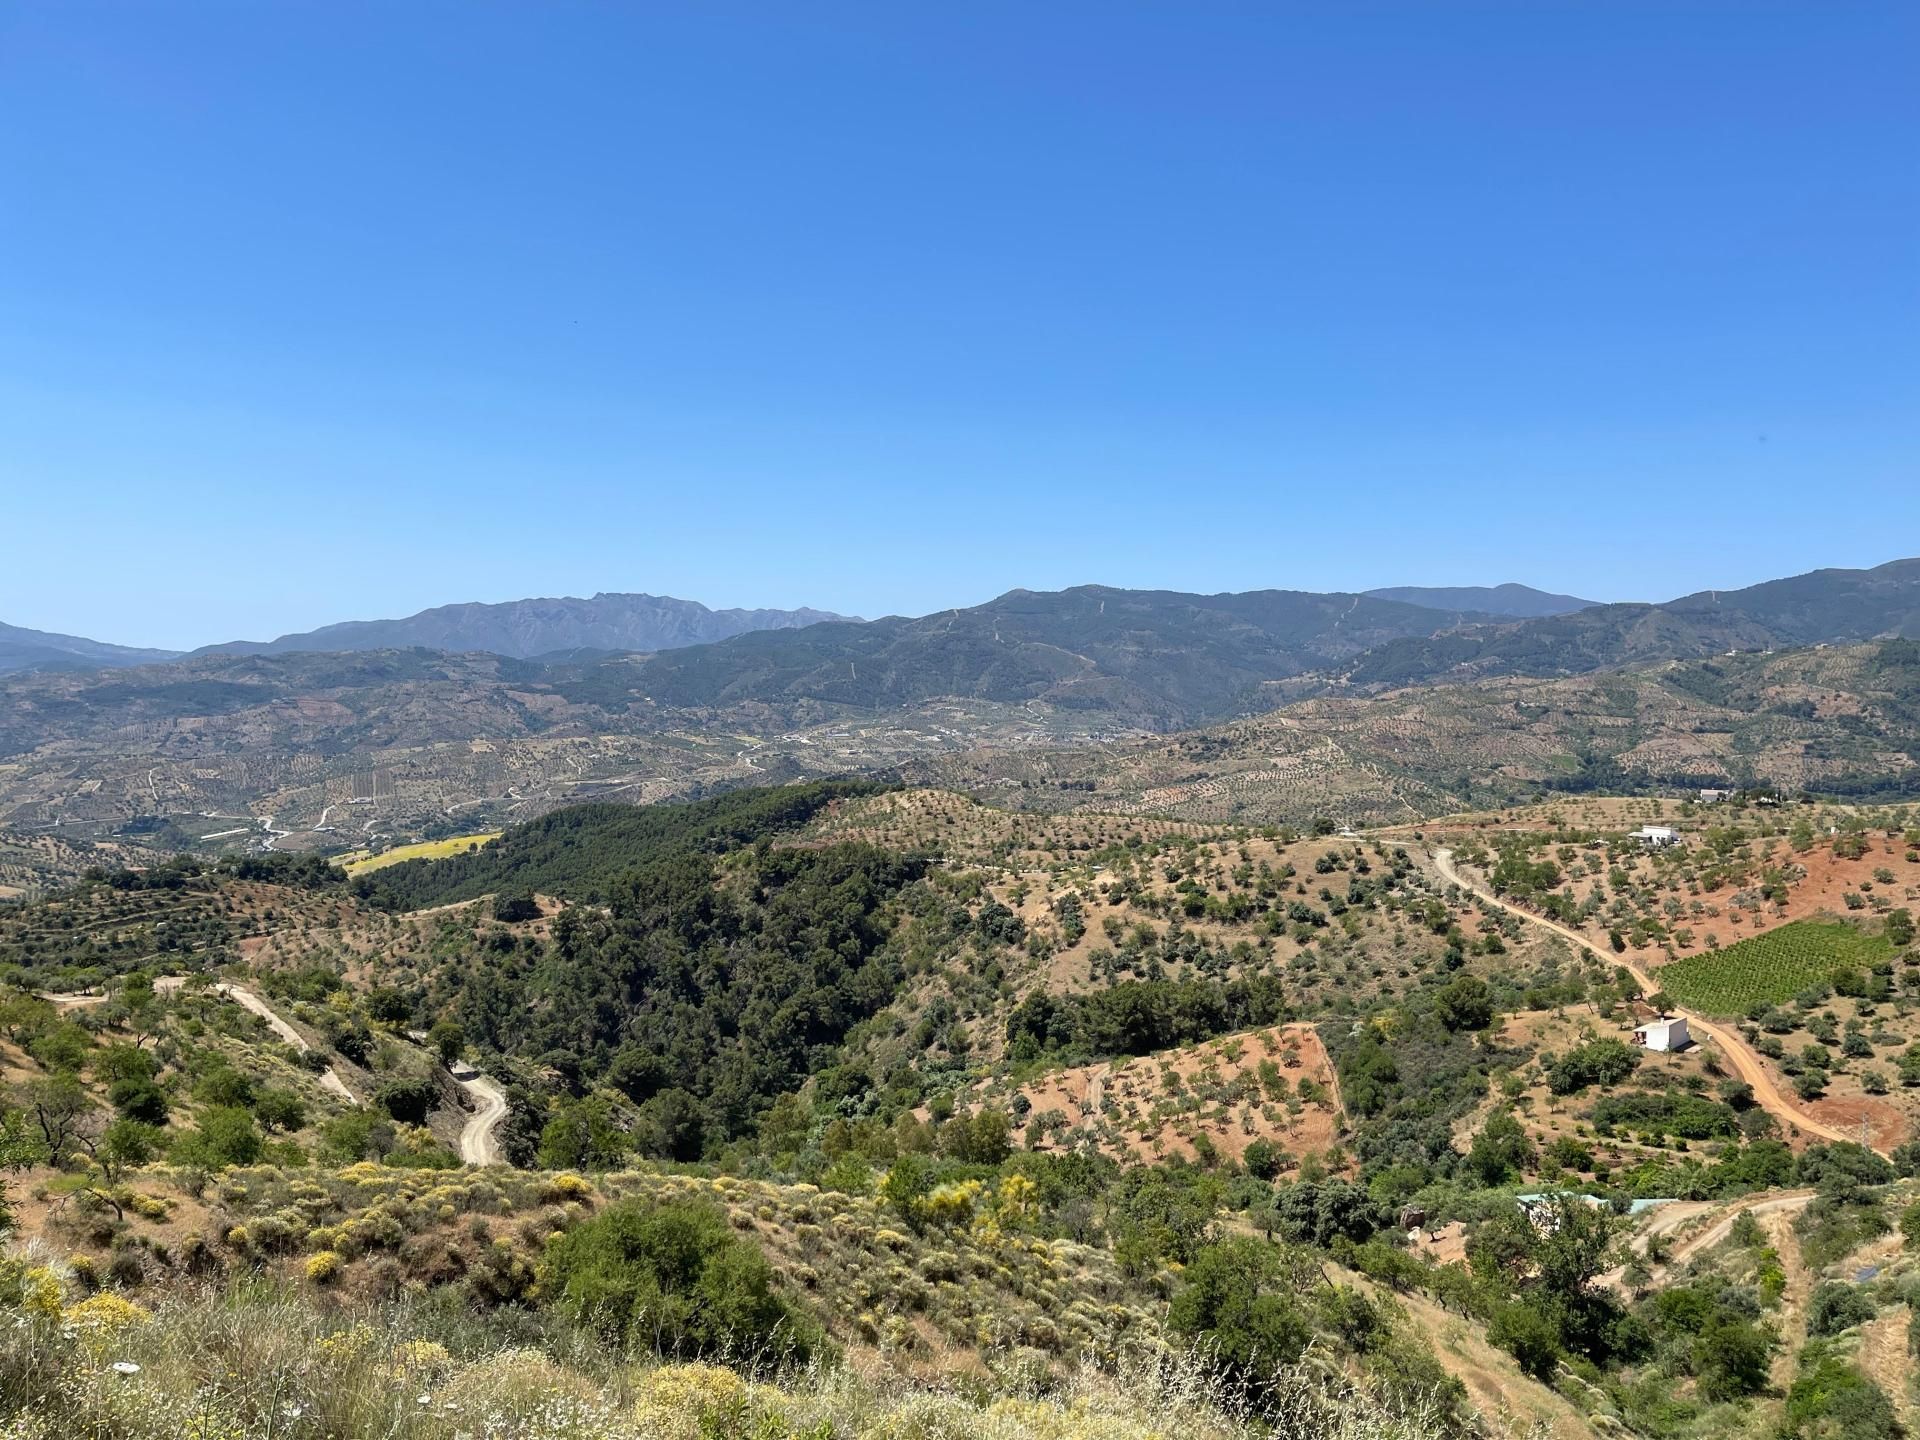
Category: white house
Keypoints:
(1714, 797)
(1669, 1032)
(1656, 837)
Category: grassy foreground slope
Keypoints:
(368, 1301)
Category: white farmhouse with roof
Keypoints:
(1656, 837)
(1669, 1032)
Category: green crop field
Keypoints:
(1771, 968)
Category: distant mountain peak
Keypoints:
(523, 629)
(1520, 602)
(23, 649)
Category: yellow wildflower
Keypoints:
(41, 1293)
(674, 1391)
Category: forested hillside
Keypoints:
(581, 852)
(700, 996)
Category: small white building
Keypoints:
(1656, 837)
(1714, 797)
(1669, 1032)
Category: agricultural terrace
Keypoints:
(1273, 1089)
(1078, 904)
(1771, 969)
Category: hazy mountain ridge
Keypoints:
(459, 738)
(24, 649)
(521, 629)
(1522, 602)
(1820, 607)
(1161, 659)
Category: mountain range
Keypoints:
(522, 629)
(569, 628)
(1155, 659)
(23, 649)
(1148, 659)
(1819, 607)
(1520, 602)
(323, 744)
(1162, 660)
(558, 628)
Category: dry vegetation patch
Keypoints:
(1204, 1102)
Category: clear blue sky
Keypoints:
(330, 311)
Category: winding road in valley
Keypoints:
(478, 1143)
(1741, 1056)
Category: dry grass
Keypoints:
(270, 1363)
(359, 862)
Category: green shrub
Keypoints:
(1464, 1003)
(1598, 1062)
(1529, 1336)
(1730, 1358)
(675, 1276)
(1837, 1306)
(1262, 1159)
(408, 1101)
(1237, 1299)
(1501, 1150)
(226, 1136)
(513, 909)
(1831, 1398)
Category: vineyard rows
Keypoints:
(1771, 969)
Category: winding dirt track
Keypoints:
(1669, 1218)
(1741, 1056)
(477, 1143)
(247, 1000)
(1720, 1229)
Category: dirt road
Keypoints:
(1514, 1402)
(1721, 1228)
(478, 1145)
(247, 1000)
(1745, 1061)
(71, 1000)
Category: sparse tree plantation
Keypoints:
(807, 1080)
